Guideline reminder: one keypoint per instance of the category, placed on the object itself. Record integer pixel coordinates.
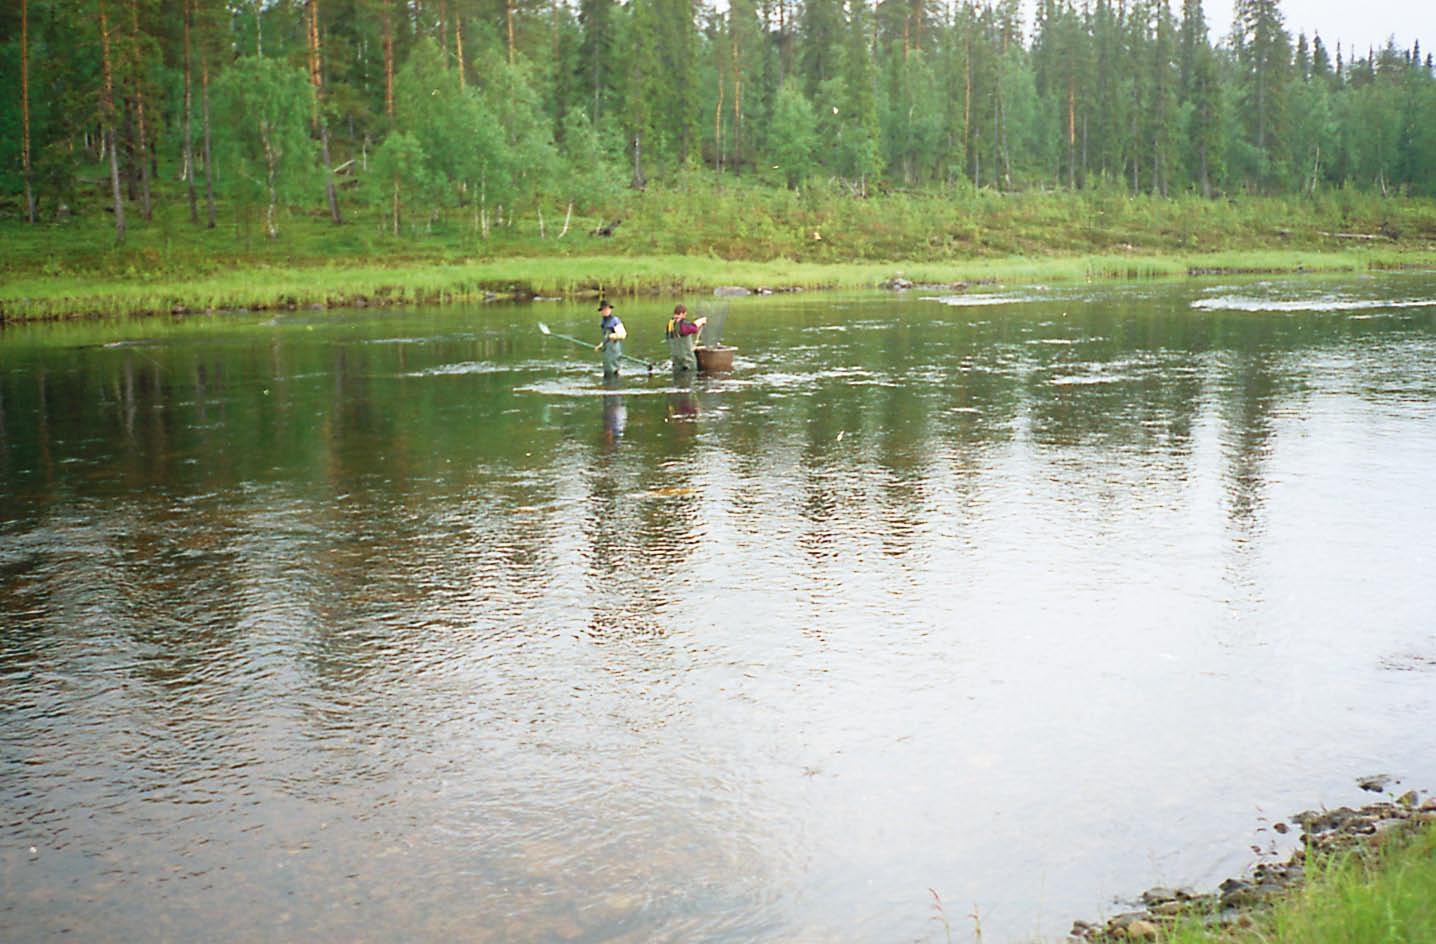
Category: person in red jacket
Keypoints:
(682, 334)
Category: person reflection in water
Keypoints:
(613, 335)
(615, 412)
(682, 407)
(682, 334)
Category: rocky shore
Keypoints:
(1325, 833)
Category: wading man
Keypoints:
(681, 335)
(612, 343)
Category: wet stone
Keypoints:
(1376, 783)
(1161, 895)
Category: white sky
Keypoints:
(1353, 23)
(1358, 23)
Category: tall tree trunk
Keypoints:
(188, 109)
(737, 94)
(639, 181)
(25, 108)
(208, 150)
(142, 150)
(388, 58)
(271, 175)
(125, 134)
(967, 111)
(509, 17)
(444, 33)
(107, 109)
(396, 204)
(317, 120)
(718, 127)
(459, 45)
(560, 82)
(1071, 134)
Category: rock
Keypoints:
(898, 283)
(1376, 783)
(1409, 799)
(1170, 909)
(1122, 921)
(731, 291)
(1160, 895)
(1235, 893)
(1143, 930)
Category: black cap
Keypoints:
(604, 304)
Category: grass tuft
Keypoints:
(1381, 894)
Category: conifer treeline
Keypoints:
(485, 108)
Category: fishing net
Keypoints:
(717, 314)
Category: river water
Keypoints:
(942, 609)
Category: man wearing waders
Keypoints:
(612, 343)
(681, 335)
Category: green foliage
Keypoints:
(456, 135)
(400, 174)
(262, 109)
(526, 138)
(919, 97)
(793, 139)
(590, 171)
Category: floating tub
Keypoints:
(715, 358)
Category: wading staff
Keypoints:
(543, 328)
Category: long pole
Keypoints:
(568, 337)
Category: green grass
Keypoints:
(689, 236)
(1386, 896)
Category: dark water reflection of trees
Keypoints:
(363, 441)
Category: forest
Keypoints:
(470, 113)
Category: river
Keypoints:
(943, 609)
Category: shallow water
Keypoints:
(388, 625)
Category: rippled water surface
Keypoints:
(401, 625)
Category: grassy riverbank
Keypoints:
(1383, 893)
(693, 237)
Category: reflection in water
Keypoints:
(615, 411)
(411, 627)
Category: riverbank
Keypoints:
(278, 287)
(693, 238)
(1364, 874)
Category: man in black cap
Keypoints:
(612, 343)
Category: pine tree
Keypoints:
(1162, 105)
(1264, 54)
(860, 156)
(1320, 61)
(1203, 99)
(820, 34)
(597, 61)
